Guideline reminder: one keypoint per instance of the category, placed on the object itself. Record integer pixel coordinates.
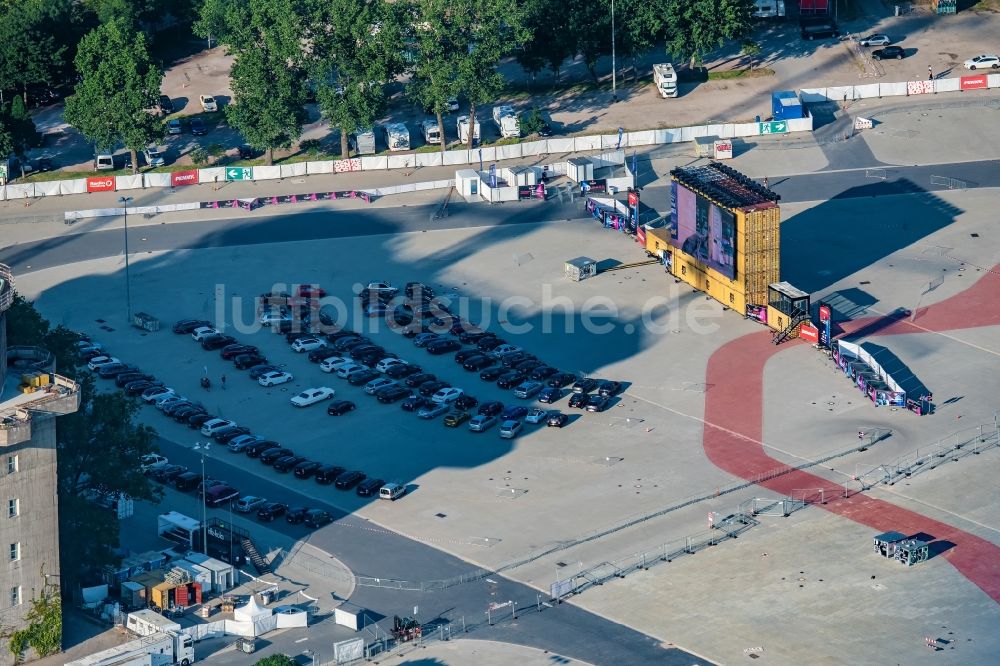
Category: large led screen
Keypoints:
(703, 230)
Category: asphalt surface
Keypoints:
(563, 628)
(323, 224)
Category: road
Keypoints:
(881, 180)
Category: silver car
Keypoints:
(878, 39)
(482, 422)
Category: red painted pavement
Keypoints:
(735, 426)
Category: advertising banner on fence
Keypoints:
(599, 186)
(809, 333)
(758, 312)
(977, 82)
(179, 178)
(101, 184)
(531, 191)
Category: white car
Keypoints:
(878, 39)
(248, 503)
(536, 415)
(208, 103)
(96, 362)
(163, 390)
(203, 332)
(274, 378)
(334, 362)
(376, 384)
(272, 318)
(151, 461)
(154, 156)
(452, 104)
(308, 344)
(982, 62)
(162, 398)
(382, 288)
(209, 428)
(447, 395)
(387, 363)
(312, 396)
(510, 429)
(345, 369)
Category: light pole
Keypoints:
(203, 448)
(614, 67)
(128, 280)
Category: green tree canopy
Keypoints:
(31, 51)
(276, 660)
(695, 28)
(119, 86)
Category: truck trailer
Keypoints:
(160, 649)
(506, 120)
(462, 127)
(769, 9)
(397, 137)
(665, 77)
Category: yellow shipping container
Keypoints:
(161, 594)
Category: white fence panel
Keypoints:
(266, 172)
(484, 155)
(343, 166)
(49, 188)
(993, 80)
(455, 157)
(840, 93)
(948, 85)
(800, 124)
(320, 166)
(715, 130)
(75, 186)
(374, 162)
(608, 159)
(866, 91)
(746, 129)
(644, 138)
(610, 141)
(672, 135)
(582, 143)
(558, 146)
(294, 169)
(406, 161)
(891, 89)
(19, 191)
(154, 180)
(813, 95)
(533, 148)
(429, 159)
(510, 152)
(212, 175)
(130, 182)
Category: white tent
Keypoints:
(251, 612)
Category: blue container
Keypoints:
(785, 105)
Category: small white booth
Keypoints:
(467, 183)
(579, 169)
(223, 575)
(178, 528)
(520, 175)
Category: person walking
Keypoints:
(222, 380)
(930, 73)
(765, 182)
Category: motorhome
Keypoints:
(462, 128)
(506, 120)
(665, 77)
(431, 131)
(397, 137)
(769, 9)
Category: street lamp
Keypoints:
(614, 68)
(128, 281)
(203, 449)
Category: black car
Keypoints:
(271, 510)
(550, 394)
(819, 30)
(286, 464)
(492, 374)
(427, 389)
(257, 449)
(126, 378)
(465, 354)
(465, 401)
(168, 473)
(414, 381)
(187, 481)
(361, 350)
(372, 358)
(170, 409)
(584, 385)
(348, 480)
(262, 369)
(477, 362)
(327, 474)
(579, 400)
(362, 377)
(340, 407)
(561, 379)
(274, 454)
(597, 403)
(528, 365)
(414, 403)
(400, 317)
(510, 380)
(542, 373)
(166, 108)
(343, 333)
(198, 127)
(608, 388)
(369, 487)
(418, 290)
(296, 515)
(510, 360)
(135, 388)
(248, 152)
(317, 518)
(490, 342)
(401, 370)
(213, 342)
(391, 394)
(319, 355)
(439, 347)
(230, 352)
(345, 344)
(198, 420)
(183, 414)
(413, 330)
(491, 408)
(557, 420)
(306, 468)
(247, 361)
(188, 325)
(473, 337)
(888, 53)
(114, 369)
(229, 434)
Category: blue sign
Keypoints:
(480, 159)
(621, 132)
(493, 175)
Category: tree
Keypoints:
(696, 28)
(356, 47)
(6, 138)
(23, 134)
(276, 660)
(211, 19)
(31, 51)
(43, 632)
(118, 88)
(552, 40)
(751, 50)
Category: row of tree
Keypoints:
(345, 52)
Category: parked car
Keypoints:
(463, 355)
(332, 363)
(348, 480)
(369, 487)
(526, 390)
(287, 463)
(597, 403)
(150, 461)
(456, 418)
(308, 344)
(316, 518)
(536, 415)
(166, 473)
(528, 365)
(372, 387)
(413, 381)
(549, 394)
(415, 403)
(561, 379)
(187, 481)
(229, 352)
(362, 376)
(174, 126)
(225, 434)
(557, 420)
(386, 363)
(98, 361)
(345, 370)
(327, 474)
(465, 401)
(543, 372)
(609, 388)
(249, 503)
(982, 62)
(514, 412)
(579, 400)
(258, 371)
(311, 396)
(492, 374)
(195, 422)
(424, 339)
(239, 444)
(138, 387)
(215, 425)
(500, 351)
(510, 429)
(247, 361)
(482, 422)
(154, 156)
(257, 449)
(477, 362)
(439, 347)
(447, 395)
(584, 385)
(296, 515)
(472, 336)
(390, 394)
(198, 127)
(427, 389)
(491, 408)
(217, 341)
(432, 411)
(208, 103)
(340, 407)
(203, 332)
(125, 378)
(273, 455)
(877, 39)
(490, 342)
(271, 510)
(402, 370)
(112, 370)
(306, 468)
(510, 360)
(888, 53)
(274, 378)
(381, 288)
(188, 325)
(509, 380)
(220, 495)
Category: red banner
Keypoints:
(640, 235)
(809, 333)
(101, 184)
(633, 198)
(824, 313)
(178, 178)
(977, 82)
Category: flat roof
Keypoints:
(724, 185)
(788, 290)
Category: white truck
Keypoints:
(506, 120)
(364, 142)
(431, 131)
(160, 649)
(462, 127)
(397, 137)
(769, 9)
(665, 77)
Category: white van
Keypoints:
(391, 491)
(104, 161)
(211, 427)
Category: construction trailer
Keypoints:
(158, 649)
